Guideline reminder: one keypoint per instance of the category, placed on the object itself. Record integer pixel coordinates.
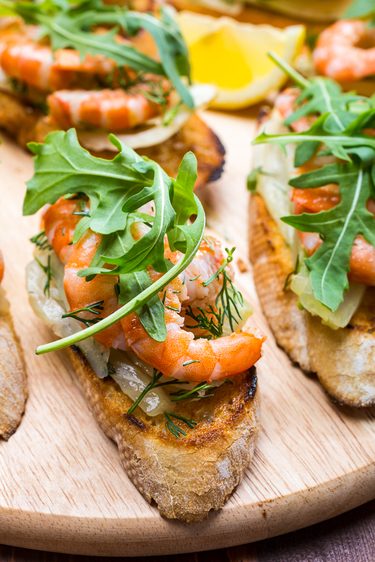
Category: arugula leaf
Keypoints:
(151, 313)
(360, 9)
(329, 265)
(340, 143)
(116, 189)
(70, 27)
(183, 200)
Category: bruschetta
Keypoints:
(313, 234)
(104, 69)
(155, 326)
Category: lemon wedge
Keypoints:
(233, 56)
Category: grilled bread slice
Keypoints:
(28, 124)
(343, 359)
(186, 477)
(13, 383)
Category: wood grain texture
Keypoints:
(62, 487)
(349, 537)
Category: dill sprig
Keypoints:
(41, 241)
(208, 320)
(157, 94)
(173, 428)
(48, 271)
(151, 385)
(227, 303)
(94, 308)
(193, 393)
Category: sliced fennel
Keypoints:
(245, 311)
(272, 185)
(301, 285)
(158, 132)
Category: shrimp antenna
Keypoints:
(285, 67)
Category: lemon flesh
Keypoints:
(233, 56)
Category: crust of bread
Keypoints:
(343, 359)
(26, 124)
(13, 382)
(190, 476)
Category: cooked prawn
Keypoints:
(341, 52)
(33, 62)
(111, 110)
(59, 224)
(285, 102)
(180, 355)
(81, 293)
(60, 221)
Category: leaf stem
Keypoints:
(285, 67)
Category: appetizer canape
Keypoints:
(101, 69)
(313, 233)
(13, 382)
(156, 327)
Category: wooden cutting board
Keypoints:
(62, 486)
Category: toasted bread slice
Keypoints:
(186, 477)
(13, 383)
(27, 124)
(343, 359)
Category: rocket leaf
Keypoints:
(338, 227)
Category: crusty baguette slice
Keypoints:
(26, 124)
(343, 359)
(13, 383)
(187, 477)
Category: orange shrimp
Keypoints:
(111, 110)
(81, 293)
(22, 57)
(59, 224)
(341, 51)
(284, 103)
(180, 355)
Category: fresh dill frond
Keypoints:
(157, 93)
(194, 393)
(153, 384)
(95, 308)
(79, 209)
(208, 320)
(41, 241)
(111, 369)
(173, 428)
(48, 271)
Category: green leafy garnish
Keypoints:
(70, 26)
(41, 241)
(360, 9)
(194, 393)
(95, 308)
(48, 271)
(340, 129)
(338, 227)
(116, 189)
(173, 428)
